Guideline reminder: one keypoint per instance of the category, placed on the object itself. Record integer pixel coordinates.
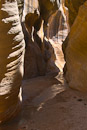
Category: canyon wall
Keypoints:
(75, 46)
(73, 7)
(12, 47)
(39, 56)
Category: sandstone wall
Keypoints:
(39, 51)
(73, 6)
(75, 47)
(11, 59)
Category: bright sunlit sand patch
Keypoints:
(49, 93)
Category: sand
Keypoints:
(49, 105)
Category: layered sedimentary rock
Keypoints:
(57, 25)
(57, 31)
(75, 49)
(11, 59)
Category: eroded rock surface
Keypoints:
(73, 6)
(76, 51)
(39, 52)
(11, 59)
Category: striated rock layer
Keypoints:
(11, 59)
(75, 50)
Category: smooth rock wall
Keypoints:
(75, 50)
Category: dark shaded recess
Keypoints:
(73, 6)
(47, 8)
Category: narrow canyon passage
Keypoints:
(54, 38)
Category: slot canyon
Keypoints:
(43, 83)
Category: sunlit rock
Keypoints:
(12, 47)
(75, 49)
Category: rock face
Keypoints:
(11, 59)
(57, 31)
(75, 49)
(47, 8)
(73, 6)
(39, 52)
(34, 62)
(57, 25)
